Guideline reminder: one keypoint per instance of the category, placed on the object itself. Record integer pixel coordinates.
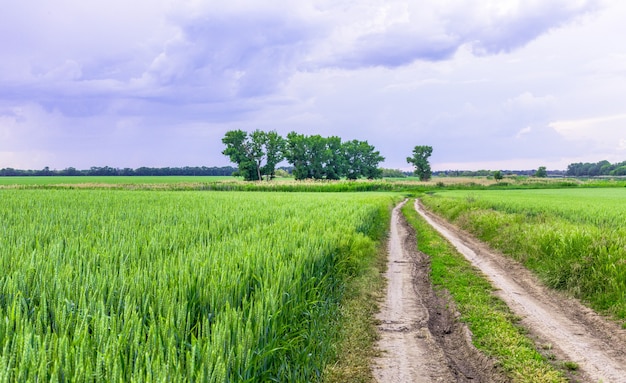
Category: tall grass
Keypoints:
(408, 185)
(101, 285)
(575, 240)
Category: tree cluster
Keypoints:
(110, 171)
(602, 168)
(312, 157)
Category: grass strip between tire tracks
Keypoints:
(494, 328)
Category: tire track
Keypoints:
(420, 339)
(576, 333)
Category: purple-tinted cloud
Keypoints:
(79, 82)
(434, 32)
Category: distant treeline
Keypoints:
(587, 169)
(109, 171)
(602, 168)
(488, 173)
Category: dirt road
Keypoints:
(421, 340)
(574, 332)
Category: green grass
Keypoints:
(574, 239)
(357, 326)
(115, 285)
(493, 326)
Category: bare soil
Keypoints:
(572, 331)
(421, 339)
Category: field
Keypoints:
(574, 239)
(119, 285)
(408, 185)
(161, 279)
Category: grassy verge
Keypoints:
(574, 240)
(357, 327)
(494, 327)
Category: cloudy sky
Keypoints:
(490, 84)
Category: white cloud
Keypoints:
(596, 128)
(523, 132)
(529, 101)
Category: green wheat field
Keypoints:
(121, 286)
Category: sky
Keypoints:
(489, 84)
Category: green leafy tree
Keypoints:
(320, 157)
(361, 160)
(274, 152)
(317, 156)
(255, 154)
(297, 154)
(237, 149)
(371, 160)
(541, 172)
(421, 153)
(353, 158)
(334, 166)
(620, 171)
(497, 175)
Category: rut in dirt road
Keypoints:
(575, 332)
(420, 339)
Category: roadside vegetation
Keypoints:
(494, 327)
(102, 285)
(573, 239)
(357, 331)
(288, 184)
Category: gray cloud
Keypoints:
(436, 31)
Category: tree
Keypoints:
(361, 160)
(237, 149)
(420, 161)
(274, 152)
(541, 172)
(256, 154)
(371, 158)
(313, 156)
(497, 175)
(621, 171)
(334, 166)
(297, 154)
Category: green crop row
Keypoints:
(101, 285)
(575, 240)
